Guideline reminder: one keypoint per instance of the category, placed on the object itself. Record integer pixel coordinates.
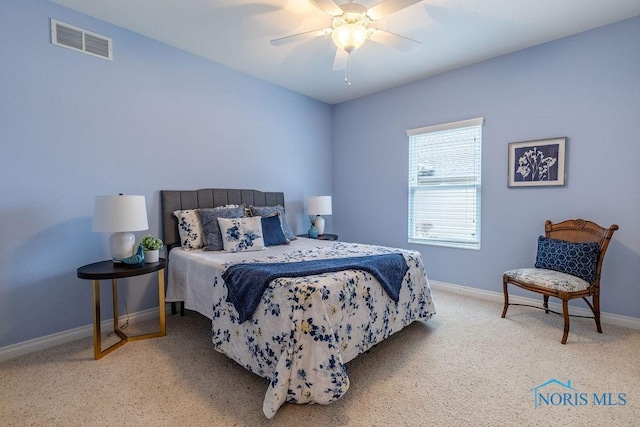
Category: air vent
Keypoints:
(75, 38)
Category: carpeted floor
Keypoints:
(466, 367)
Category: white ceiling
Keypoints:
(453, 33)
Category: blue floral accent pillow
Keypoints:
(211, 237)
(270, 210)
(241, 234)
(189, 228)
(272, 231)
(577, 259)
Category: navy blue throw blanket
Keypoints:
(247, 282)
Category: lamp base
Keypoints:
(320, 225)
(122, 245)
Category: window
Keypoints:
(444, 184)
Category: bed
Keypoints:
(303, 330)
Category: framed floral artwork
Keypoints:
(537, 163)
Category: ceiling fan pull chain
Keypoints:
(347, 70)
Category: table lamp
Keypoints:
(319, 205)
(120, 215)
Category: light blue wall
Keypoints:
(585, 87)
(74, 126)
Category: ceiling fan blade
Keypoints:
(301, 36)
(328, 6)
(340, 60)
(390, 39)
(387, 7)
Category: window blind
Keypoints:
(445, 184)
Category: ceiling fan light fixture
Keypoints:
(349, 37)
(350, 29)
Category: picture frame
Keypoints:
(537, 163)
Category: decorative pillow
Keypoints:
(189, 228)
(270, 210)
(241, 234)
(272, 231)
(211, 237)
(577, 259)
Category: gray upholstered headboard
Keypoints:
(172, 200)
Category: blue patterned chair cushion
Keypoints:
(212, 238)
(270, 210)
(549, 279)
(577, 259)
(241, 234)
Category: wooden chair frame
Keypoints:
(573, 230)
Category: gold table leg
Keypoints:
(96, 319)
(98, 353)
(163, 325)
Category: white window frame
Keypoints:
(438, 226)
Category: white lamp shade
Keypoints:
(319, 205)
(120, 215)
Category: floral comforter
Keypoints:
(304, 329)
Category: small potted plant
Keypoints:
(151, 246)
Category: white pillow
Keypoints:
(241, 234)
(190, 227)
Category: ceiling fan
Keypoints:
(352, 25)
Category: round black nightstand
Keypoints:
(325, 236)
(105, 270)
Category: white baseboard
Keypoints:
(608, 318)
(42, 343)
